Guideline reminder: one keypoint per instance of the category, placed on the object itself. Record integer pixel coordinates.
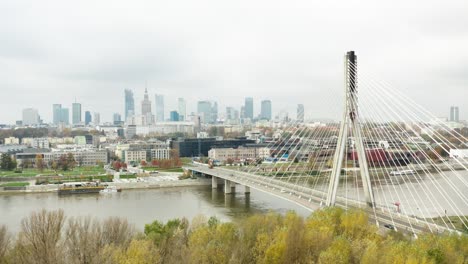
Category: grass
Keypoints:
(455, 220)
(14, 184)
(31, 172)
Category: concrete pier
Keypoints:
(246, 189)
(214, 182)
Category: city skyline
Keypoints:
(181, 56)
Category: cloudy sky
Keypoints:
(287, 51)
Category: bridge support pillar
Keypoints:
(246, 189)
(214, 182)
(229, 187)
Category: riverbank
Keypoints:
(124, 185)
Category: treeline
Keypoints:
(327, 236)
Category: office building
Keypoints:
(265, 112)
(117, 119)
(129, 104)
(76, 113)
(97, 119)
(454, 117)
(174, 116)
(240, 153)
(65, 116)
(30, 117)
(248, 108)
(193, 147)
(208, 111)
(60, 115)
(300, 112)
(57, 113)
(181, 106)
(88, 118)
(159, 108)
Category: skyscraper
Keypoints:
(30, 117)
(57, 112)
(248, 108)
(65, 116)
(129, 104)
(174, 116)
(76, 113)
(208, 111)
(117, 119)
(159, 108)
(146, 105)
(300, 112)
(97, 119)
(454, 117)
(87, 117)
(182, 109)
(265, 112)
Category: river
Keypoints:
(140, 207)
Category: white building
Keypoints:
(161, 153)
(40, 143)
(30, 117)
(12, 141)
(134, 155)
(241, 153)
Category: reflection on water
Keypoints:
(144, 206)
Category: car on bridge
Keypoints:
(391, 227)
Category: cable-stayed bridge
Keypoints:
(387, 155)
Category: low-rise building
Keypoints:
(135, 156)
(12, 141)
(160, 153)
(240, 153)
(83, 157)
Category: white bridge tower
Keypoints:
(350, 124)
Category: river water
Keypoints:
(141, 207)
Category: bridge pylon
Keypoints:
(350, 124)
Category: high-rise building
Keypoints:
(87, 117)
(208, 111)
(181, 105)
(117, 119)
(57, 113)
(300, 112)
(76, 113)
(129, 104)
(265, 112)
(248, 108)
(175, 116)
(454, 114)
(30, 117)
(146, 105)
(159, 108)
(97, 119)
(65, 116)
(232, 115)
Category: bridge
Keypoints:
(387, 156)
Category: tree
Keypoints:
(4, 242)
(7, 163)
(40, 162)
(39, 240)
(71, 161)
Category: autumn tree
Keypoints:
(40, 162)
(39, 240)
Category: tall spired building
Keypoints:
(146, 105)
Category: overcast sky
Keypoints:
(287, 51)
